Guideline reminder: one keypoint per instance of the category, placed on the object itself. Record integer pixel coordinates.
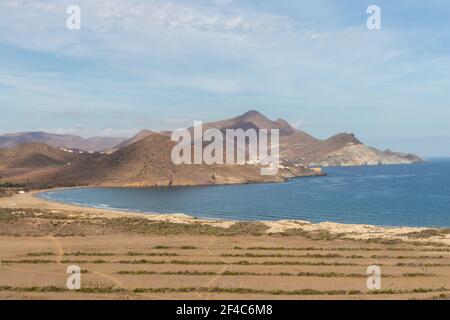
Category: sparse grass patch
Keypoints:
(97, 261)
(161, 247)
(297, 263)
(246, 291)
(243, 273)
(407, 257)
(322, 256)
(416, 290)
(40, 254)
(442, 296)
(300, 292)
(417, 274)
(414, 264)
(102, 289)
(384, 241)
(139, 225)
(28, 261)
(88, 254)
(313, 235)
(340, 249)
(168, 273)
(152, 254)
(242, 262)
(306, 249)
(428, 233)
(33, 289)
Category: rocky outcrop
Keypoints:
(361, 155)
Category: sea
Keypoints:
(394, 195)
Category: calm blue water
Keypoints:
(400, 195)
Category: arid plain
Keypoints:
(133, 256)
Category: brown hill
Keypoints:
(34, 155)
(148, 163)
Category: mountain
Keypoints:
(147, 162)
(251, 119)
(34, 155)
(139, 136)
(256, 120)
(58, 140)
(299, 147)
(145, 159)
(289, 136)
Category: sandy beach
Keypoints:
(31, 200)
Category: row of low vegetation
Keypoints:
(342, 249)
(180, 262)
(180, 248)
(268, 274)
(103, 254)
(230, 255)
(10, 185)
(219, 262)
(326, 256)
(230, 290)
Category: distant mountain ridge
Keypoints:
(296, 146)
(11, 140)
(145, 159)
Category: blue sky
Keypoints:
(161, 65)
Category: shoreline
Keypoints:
(38, 194)
(32, 200)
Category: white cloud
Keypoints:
(148, 14)
(234, 23)
(39, 5)
(151, 57)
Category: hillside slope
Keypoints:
(148, 163)
(34, 155)
(139, 136)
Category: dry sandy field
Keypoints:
(132, 256)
